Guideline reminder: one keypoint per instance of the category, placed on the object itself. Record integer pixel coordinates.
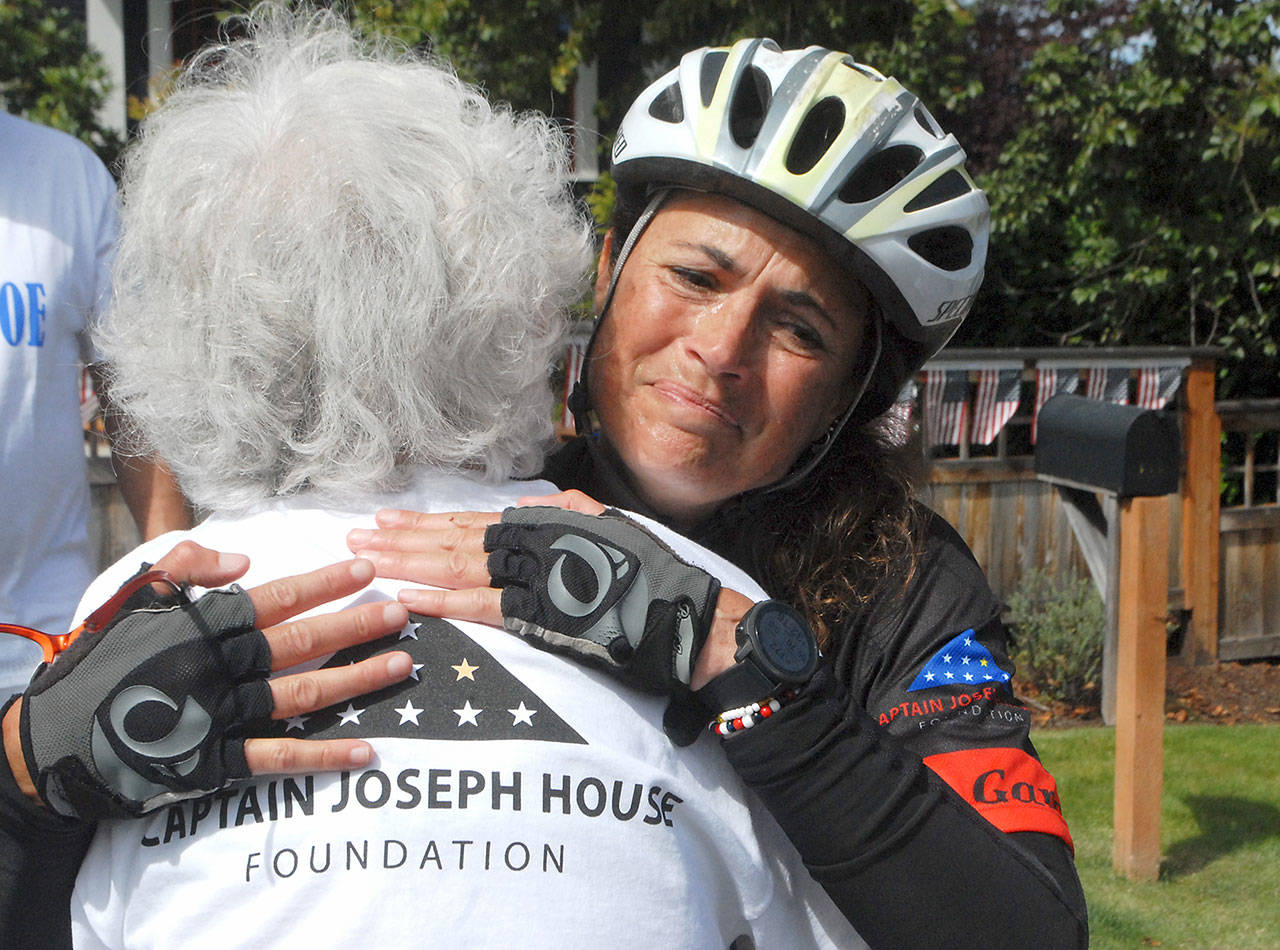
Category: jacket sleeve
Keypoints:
(917, 799)
(40, 856)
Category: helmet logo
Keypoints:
(619, 145)
(953, 309)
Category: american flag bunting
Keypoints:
(1110, 383)
(946, 393)
(1157, 384)
(896, 421)
(999, 391)
(1051, 380)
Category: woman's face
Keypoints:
(728, 348)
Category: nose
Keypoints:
(723, 335)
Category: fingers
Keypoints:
(192, 563)
(307, 692)
(292, 756)
(479, 604)
(452, 556)
(291, 643)
(572, 500)
(398, 518)
(468, 539)
(277, 601)
(449, 569)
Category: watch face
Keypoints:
(785, 641)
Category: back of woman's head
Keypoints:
(338, 260)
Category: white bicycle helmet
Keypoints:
(839, 152)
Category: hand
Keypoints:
(282, 644)
(604, 589)
(447, 552)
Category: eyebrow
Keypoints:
(794, 298)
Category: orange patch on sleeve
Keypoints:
(1008, 787)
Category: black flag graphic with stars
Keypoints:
(457, 691)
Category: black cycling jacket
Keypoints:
(905, 774)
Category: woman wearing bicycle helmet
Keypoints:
(794, 237)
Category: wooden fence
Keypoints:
(1249, 609)
(1224, 558)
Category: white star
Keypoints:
(928, 677)
(296, 722)
(409, 633)
(414, 672)
(465, 670)
(467, 714)
(350, 714)
(986, 676)
(946, 658)
(968, 642)
(964, 661)
(409, 713)
(968, 677)
(522, 714)
(950, 675)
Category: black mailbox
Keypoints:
(1126, 450)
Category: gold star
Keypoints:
(465, 670)
(982, 662)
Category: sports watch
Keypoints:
(776, 651)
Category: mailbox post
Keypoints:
(1133, 456)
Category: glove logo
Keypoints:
(682, 645)
(181, 743)
(599, 558)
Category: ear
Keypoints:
(604, 270)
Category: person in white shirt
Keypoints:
(57, 230)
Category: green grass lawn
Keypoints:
(1219, 883)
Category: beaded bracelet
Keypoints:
(744, 717)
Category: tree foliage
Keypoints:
(49, 75)
(528, 53)
(1131, 148)
(1138, 200)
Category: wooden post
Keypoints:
(1202, 436)
(1140, 684)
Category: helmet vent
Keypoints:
(667, 106)
(949, 248)
(951, 185)
(815, 135)
(880, 173)
(927, 122)
(712, 66)
(859, 68)
(750, 103)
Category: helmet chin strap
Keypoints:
(579, 399)
(818, 449)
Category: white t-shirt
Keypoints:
(57, 227)
(517, 800)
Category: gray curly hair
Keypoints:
(338, 260)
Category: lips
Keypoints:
(686, 395)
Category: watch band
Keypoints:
(740, 684)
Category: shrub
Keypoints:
(1057, 624)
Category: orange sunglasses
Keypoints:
(51, 646)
